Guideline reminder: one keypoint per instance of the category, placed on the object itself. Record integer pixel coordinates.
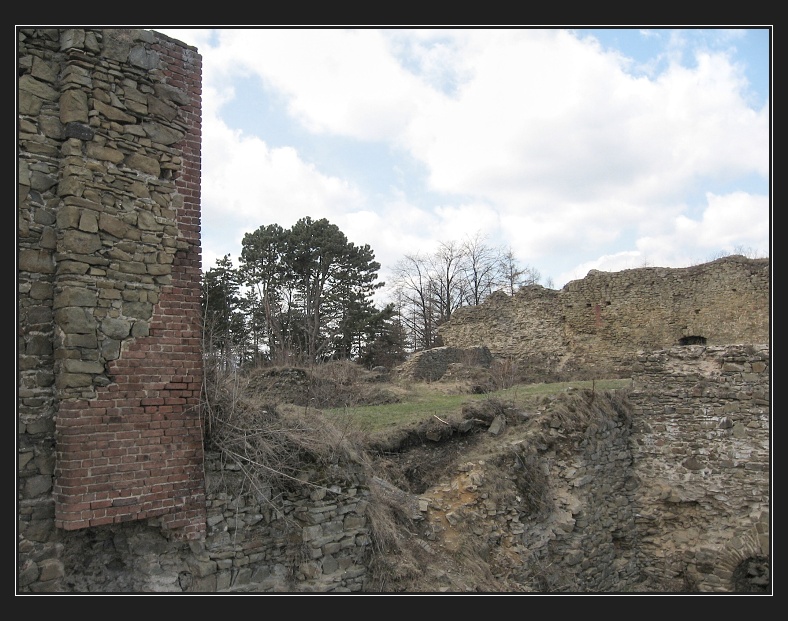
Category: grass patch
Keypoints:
(423, 401)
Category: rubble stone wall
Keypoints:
(600, 322)
(661, 487)
(312, 538)
(432, 364)
(701, 450)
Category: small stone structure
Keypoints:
(431, 364)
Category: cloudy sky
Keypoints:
(578, 149)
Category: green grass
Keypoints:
(422, 401)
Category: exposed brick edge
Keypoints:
(135, 451)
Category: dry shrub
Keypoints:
(579, 409)
(332, 384)
(283, 446)
(276, 446)
(392, 561)
(505, 373)
(545, 577)
(342, 372)
(404, 562)
(533, 483)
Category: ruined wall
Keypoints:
(109, 362)
(590, 540)
(555, 510)
(662, 487)
(671, 492)
(701, 445)
(432, 364)
(599, 323)
(311, 538)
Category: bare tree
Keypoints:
(515, 276)
(481, 269)
(414, 287)
(447, 270)
(430, 288)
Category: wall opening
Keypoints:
(752, 575)
(692, 340)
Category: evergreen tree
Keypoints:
(315, 254)
(264, 269)
(385, 340)
(222, 323)
(311, 290)
(353, 310)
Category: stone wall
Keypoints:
(108, 229)
(555, 511)
(590, 542)
(701, 448)
(599, 323)
(671, 492)
(663, 487)
(431, 364)
(311, 538)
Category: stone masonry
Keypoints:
(109, 356)
(670, 483)
(701, 449)
(664, 487)
(312, 538)
(599, 323)
(432, 364)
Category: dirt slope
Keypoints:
(456, 530)
(452, 497)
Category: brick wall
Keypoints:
(108, 272)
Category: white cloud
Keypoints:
(344, 82)
(578, 125)
(246, 184)
(541, 139)
(733, 223)
(728, 223)
(606, 263)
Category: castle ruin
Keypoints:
(600, 322)
(115, 489)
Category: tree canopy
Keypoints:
(430, 287)
(303, 294)
(306, 294)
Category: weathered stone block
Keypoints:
(144, 164)
(35, 261)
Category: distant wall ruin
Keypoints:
(600, 322)
(432, 364)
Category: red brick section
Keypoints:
(136, 450)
